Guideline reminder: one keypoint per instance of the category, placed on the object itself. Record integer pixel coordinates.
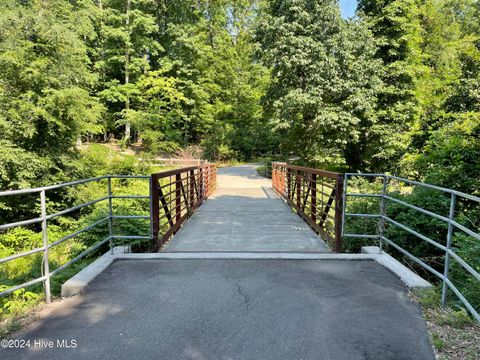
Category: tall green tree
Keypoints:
(396, 26)
(209, 52)
(448, 127)
(126, 47)
(324, 80)
(45, 89)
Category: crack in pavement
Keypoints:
(246, 298)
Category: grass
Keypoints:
(26, 309)
(453, 333)
(19, 319)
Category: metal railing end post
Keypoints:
(451, 217)
(383, 213)
(110, 214)
(46, 266)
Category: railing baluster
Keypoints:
(289, 184)
(202, 183)
(150, 204)
(192, 188)
(344, 205)
(155, 205)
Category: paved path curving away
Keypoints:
(235, 310)
(244, 214)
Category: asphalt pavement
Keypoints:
(233, 309)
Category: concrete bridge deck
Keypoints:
(244, 214)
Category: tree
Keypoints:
(127, 45)
(448, 128)
(324, 80)
(45, 88)
(209, 52)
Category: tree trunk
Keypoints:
(127, 71)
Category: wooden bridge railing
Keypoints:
(315, 195)
(175, 195)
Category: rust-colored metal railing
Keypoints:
(175, 195)
(315, 195)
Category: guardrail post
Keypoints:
(46, 267)
(110, 214)
(155, 203)
(383, 213)
(451, 216)
(150, 187)
(344, 204)
(338, 213)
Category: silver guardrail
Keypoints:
(44, 217)
(450, 220)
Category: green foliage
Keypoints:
(45, 87)
(464, 246)
(325, 81)
(99, 161)
(19, 301)
(169, 71)
(456, 318)
(395, 89)
(468, 249)
(142, 70)
(449, 155)
(361, 225)
(18, 239)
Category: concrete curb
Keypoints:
(409, 278)
(245, 256)
(78, 283)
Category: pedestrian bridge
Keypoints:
(245, 214)
(238, 267)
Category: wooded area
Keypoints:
(394, 90)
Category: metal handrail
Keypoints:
(303, 189)
(450, 220)
(47, 274)
(175, 195)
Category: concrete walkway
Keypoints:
(234, 310)
(244, 214)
